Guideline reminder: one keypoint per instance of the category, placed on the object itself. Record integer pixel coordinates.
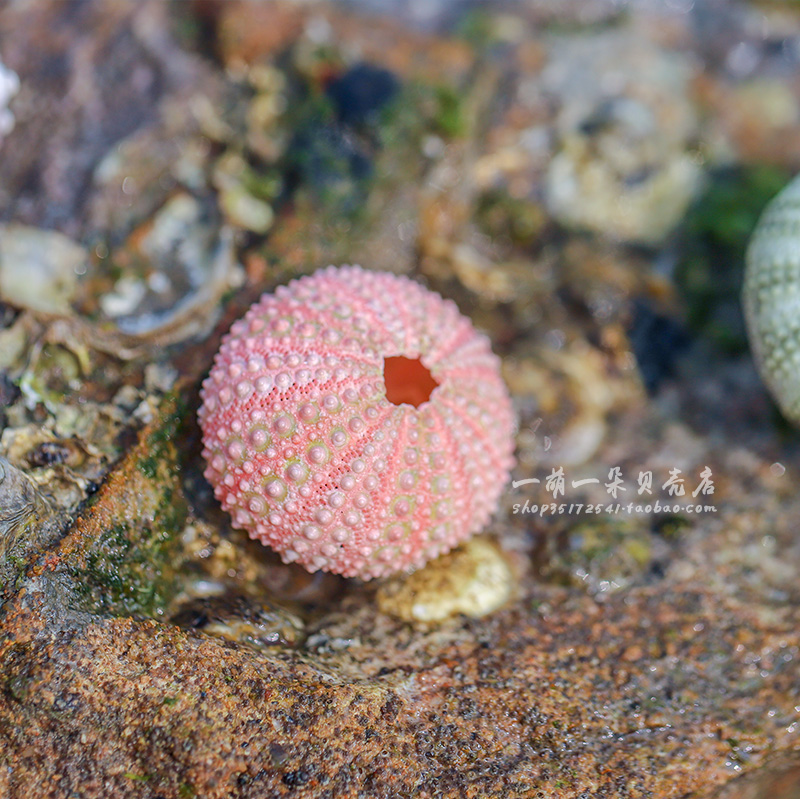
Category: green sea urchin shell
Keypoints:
(772, 298)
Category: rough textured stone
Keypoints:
(147, 649)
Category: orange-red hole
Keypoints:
(407, 381)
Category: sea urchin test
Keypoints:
(772, 297)
(357, 423)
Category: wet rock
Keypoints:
(644, 656)
(7, 315)
(607, 554)
(778, 779)
(360, 92)
(9, 393)
(67, 467)
(172, 153)
(330, 162)
(528, 688)
(656, 341)
(716, 231)
(121, 553)
(241, 620)
(124, 68)
(28, 523)
(749, 91)
(568, 420)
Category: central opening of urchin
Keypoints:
(407, 381)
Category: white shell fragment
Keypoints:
(9, 86)
(39, 268)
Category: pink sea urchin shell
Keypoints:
(357, 423)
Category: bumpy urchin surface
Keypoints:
(772, 297)
(311, 457)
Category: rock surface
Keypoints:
(147, 649)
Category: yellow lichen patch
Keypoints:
(473, 580)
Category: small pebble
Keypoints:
(473, 580)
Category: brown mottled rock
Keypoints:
(148, 650)
(77, 101)
(623, 699)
